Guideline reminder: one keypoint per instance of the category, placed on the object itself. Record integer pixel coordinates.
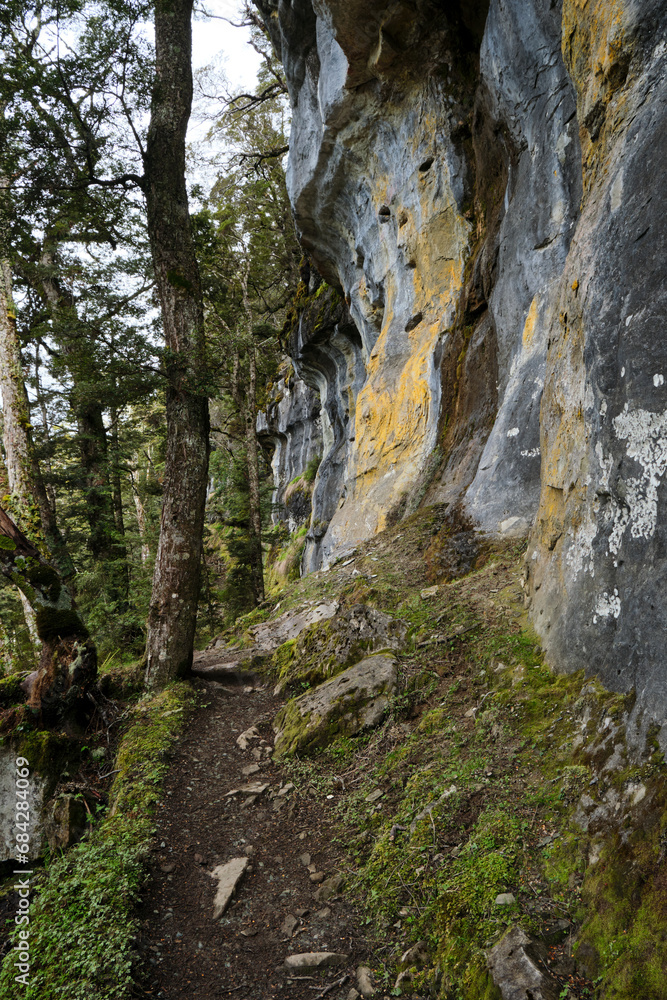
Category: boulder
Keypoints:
(355, 700)
(518, 966)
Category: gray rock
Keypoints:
(517, 965)
(312, 960)
(365, 981)
(505, 899)
(329, 888)
(289, 925)
(542, 350)
(354, 700)
(228, 877)
(292, 427)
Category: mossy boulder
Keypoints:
(330, 646)
(352, 701)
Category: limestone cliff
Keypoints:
(482, 183)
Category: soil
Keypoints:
(184, 951)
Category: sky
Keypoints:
(214, 40)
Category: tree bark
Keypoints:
(68, 663)
(30, 502)
(175, 593)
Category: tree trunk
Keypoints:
(175, 593)
(30, 502)
(255, 514)
(68, 663)
(141, 520)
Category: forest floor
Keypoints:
(288, 837)
(356, 809)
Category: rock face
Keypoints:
(480, 185)
(291, 428)
(353, 700)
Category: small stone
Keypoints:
(199, 859)
(323, 913)
(289, 925)
(317, 877)
(505, 899)
(250, 769)
(228, 876)
(353, 995)
(257, 753)
(302, 836)
(250, 734)
(304, 859)
(167, 868)
(375, 795)
(286, 789)
(328, 888)
(471, 713)
(365, 981)
(312, 960)
(429, 592)
(249, 850)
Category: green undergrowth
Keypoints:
(82, 921)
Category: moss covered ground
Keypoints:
(492, 776)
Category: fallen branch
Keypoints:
(328, 989)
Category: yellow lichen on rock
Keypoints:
(597, 49)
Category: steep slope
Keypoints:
(482, 185)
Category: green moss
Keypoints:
(7, 543)
(45, 579)
(49, 754)
(11, 692)
(54, 623)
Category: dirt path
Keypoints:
(185, 952)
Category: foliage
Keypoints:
(83, 919)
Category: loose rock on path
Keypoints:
(225, 800)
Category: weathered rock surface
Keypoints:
(354, 700)
(329, 646)
(518, 967)
(597, 562)
(228, 877)
(219, 662)
(291, 427)
(481, 184)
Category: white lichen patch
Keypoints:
(646, 434)
(513, 432)
(607, 606)
(658, 379)
(531, 453)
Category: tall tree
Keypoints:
(173, 610)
